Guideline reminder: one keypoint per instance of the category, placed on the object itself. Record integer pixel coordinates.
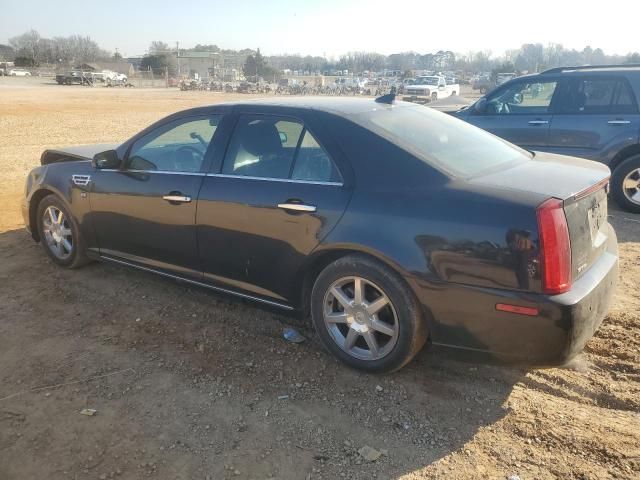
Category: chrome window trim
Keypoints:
(195, 282)
(161, 172)
(282, 180)
(225, 175)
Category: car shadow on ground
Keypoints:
(206, 385)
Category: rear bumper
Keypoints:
(465, 317)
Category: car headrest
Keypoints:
(261, 138)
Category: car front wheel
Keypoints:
(59, 233)
(366, 316)
(625, 184)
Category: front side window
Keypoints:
(265, 146)
(528, 98)
(179, 146)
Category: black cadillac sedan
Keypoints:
(389, 224)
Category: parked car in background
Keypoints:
(504, 77)
(389, 224)
(483, 84)
(75, 77)
(589, 112)
(19, 72)
(429, 88)
(113, 78)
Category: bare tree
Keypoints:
(158, 47)
(27, 45)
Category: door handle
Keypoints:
(177, 198)
(297, 207)
(538, 122)
(619, 122)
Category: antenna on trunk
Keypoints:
(388, 98)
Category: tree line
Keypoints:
(30, 49)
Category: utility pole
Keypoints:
(178, 57)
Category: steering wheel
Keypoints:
(193, 163)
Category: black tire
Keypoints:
(77, 256)
(411, 333)
(618, 177)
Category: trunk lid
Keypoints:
(582, 185)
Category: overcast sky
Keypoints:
(332, 27)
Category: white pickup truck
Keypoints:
(429, 88)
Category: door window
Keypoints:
(262, 146)
(523, 98)
(623, 100)
(597, 96)
(266, 146)
(179, 146)
(312, 162)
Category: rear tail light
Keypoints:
(555, 248)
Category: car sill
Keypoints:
(200, 284)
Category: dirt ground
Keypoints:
(191, 385)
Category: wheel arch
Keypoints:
(34, 202)
(623, 154)
(309, 273)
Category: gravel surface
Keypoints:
(186, 384)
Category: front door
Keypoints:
(276, 196)
(145, 212)
(595, 118)
(519, 112)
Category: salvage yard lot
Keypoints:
(191, 385)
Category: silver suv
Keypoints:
(589, 112)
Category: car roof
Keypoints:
(626, 68)
(338, 106)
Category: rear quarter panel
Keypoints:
(444, 237)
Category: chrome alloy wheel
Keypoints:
(631, 186)
(57, 232)
(360, 318)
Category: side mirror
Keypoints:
(481, 105)
(106, 160)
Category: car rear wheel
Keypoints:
(625, 184)
(59, 233)
(366, 316)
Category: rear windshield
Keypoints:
(441, 140)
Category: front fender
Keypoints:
(71, 183)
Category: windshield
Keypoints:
(441, 140)
(427, 81)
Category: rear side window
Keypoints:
(441, 140)
(312, 162)
(266, 146)
(623, 101)
(597, 96)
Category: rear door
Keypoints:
(520, 112)
(145, 212)
(265, 207)
(595, 117)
